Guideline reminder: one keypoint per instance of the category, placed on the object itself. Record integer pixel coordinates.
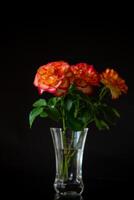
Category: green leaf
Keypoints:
(53, 113)
(97, 122)
(33, 114)
(43, 114)
(68, 104)
(74, 123)
(53, 101)
(85, 116)
(115, 112)
(104, 125)
(39, 103)
(101, 124)
(106, 113)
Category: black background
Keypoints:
(27, 163)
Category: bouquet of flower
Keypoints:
(79, 95)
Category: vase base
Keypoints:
(71, 194)
(68, 196)
(69, 189)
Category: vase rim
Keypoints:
(62, 128)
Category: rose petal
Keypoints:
(81, 83)
(40, 91)
(60, 92)
(36, 79)
(64, 84)
(86, 90)
(51, 90)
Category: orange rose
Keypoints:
(111, 79)
(54, 77)
(85, 76)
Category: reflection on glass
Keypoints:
(68, 197)
(69, 148)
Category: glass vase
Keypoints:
(69, 147)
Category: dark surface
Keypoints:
(27, 165)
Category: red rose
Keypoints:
(54, 77)
(85, 76)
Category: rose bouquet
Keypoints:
(79, 95)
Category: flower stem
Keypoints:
(102, 93)
(63, 115)
(65, 163)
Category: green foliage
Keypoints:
(43, 114)
(53, 101)
(34, 113)
(76, 110)
(45, 109)
(53, 113)
(39, 103)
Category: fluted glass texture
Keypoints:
(69, 147)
